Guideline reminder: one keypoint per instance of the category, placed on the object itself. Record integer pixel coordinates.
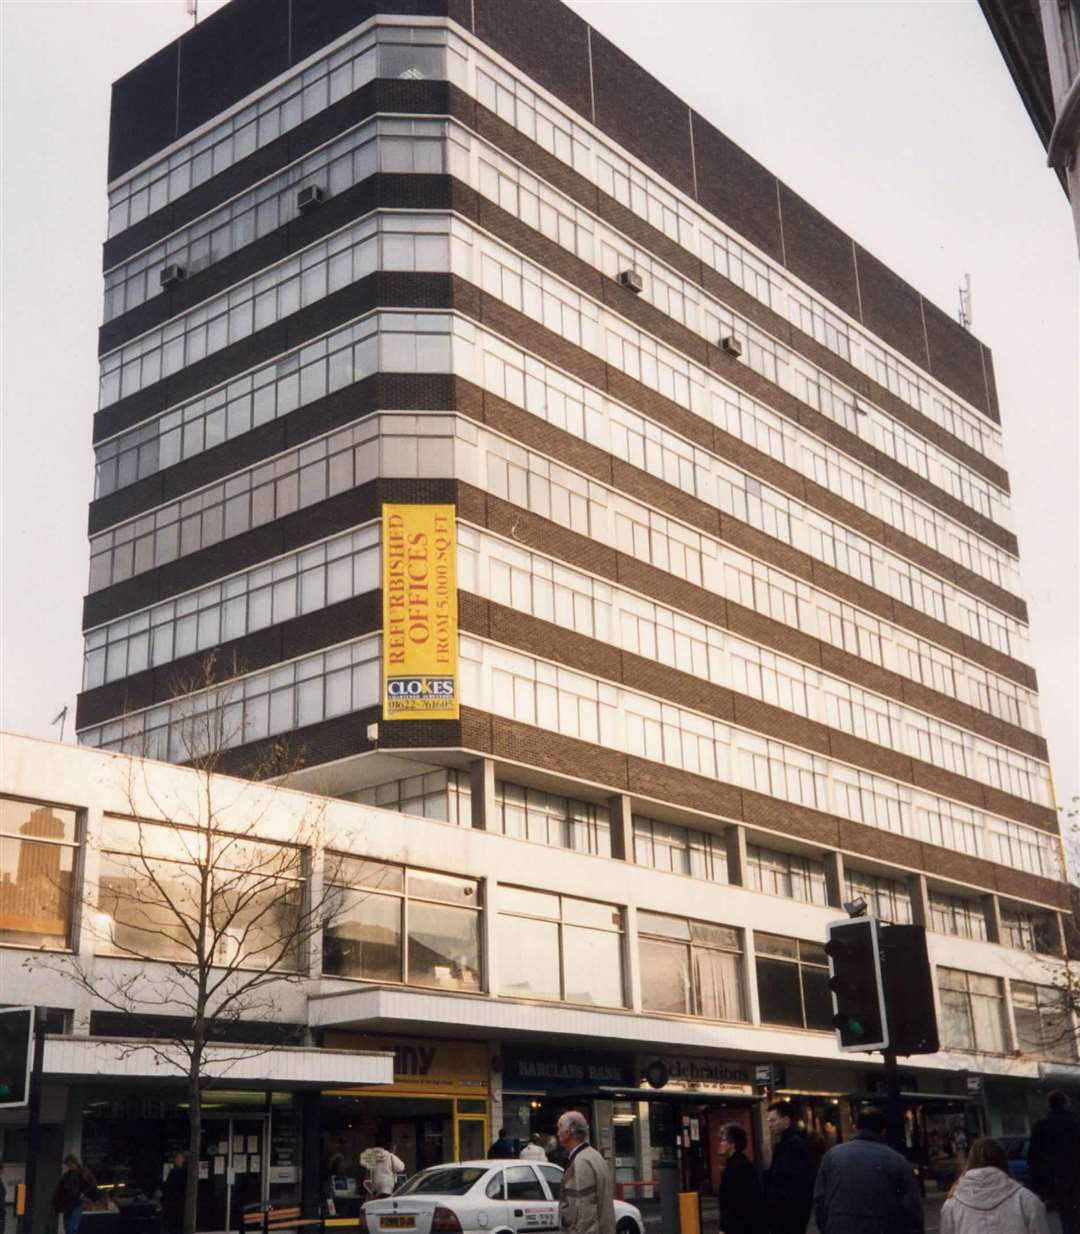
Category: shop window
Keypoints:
(1029, 930)
(1043, 1023)
(887, 898)
(559, 948)
(149, 889)
(522, 1184)
(690, 967)
(972, 1011)
(957, 915)
(548, 818)
(392, 924)
(38, 852)
(680, 850)
(793, 982)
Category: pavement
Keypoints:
(710, 1215)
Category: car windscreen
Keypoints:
(447, 1180)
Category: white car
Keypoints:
(481, 1197)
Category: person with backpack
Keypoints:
(76, 1184)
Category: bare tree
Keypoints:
(213, 918)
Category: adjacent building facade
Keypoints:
(719, 581)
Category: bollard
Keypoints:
(689, 1213)
(667, 1171)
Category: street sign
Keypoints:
(16, 1051)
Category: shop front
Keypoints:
(821, 1096)
(436, 1110)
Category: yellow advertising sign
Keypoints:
(420, 631)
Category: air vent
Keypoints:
(731, 345)
(632, 281)
(308, 198)
(171, 275)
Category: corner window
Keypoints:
(38, 852)
(972, 1011)
(1043, 1023)
(793, 982)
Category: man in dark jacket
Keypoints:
(866, 1187)
(503, 1146)
(1053, 1159)
(789, 1184)
(740, 1193)
(174, 1195)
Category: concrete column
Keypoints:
(735, 836)
(482, 791)
(310, 1154)
(1058, 936)
(632, 961)
(835, 880)
(495, 1089)
(753, 1008)
(920, 900)
(318, 903)
(622, 827)
(489, 946)
(642, 1149)
(992, 914)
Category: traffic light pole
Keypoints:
(894, 1112)
(33, 1134)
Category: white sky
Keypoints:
(897, 120)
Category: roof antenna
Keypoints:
(965, 296)
(193, 10)
(61, 719)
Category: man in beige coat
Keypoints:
(586, 1202)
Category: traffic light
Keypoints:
(16, 1044)
(856, 984)
(909, 990)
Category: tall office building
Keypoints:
(737, 593)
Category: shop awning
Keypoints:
(235, 1066)
(647, 1093)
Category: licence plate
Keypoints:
(397, 1223)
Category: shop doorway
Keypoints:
(232, 1170)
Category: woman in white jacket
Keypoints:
(988, 1200)
(384, 1167)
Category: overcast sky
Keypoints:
(898, 120)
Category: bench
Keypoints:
(268, 1218)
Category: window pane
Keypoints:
(43, 822)
(818, 999)
(535, 903)
(355, 872)
(670, 927)
(443, 887)
(585, 912)
(364, 938)
(444, 946)
(665, 977)
(592, 963)
(778, 993)
(522, 1184)
(718, 979)
(35, 892)
(529, 958)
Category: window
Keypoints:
(553, 1177)
(1043, 1023)
(690, 967)
(522, 1184)
(443, 795)
(972, 1011)
(38, 851)
(392, 924)
(559, 948)
(793, 982)
(957, 915)
(785, 874)
(680, 850)
(887, 898)
(151, 877)
(547, 818)
(1028, 929)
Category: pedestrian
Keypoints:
(986, 1199)
(789, 1183)
(1053, 1157)
(586, 1195)
(504, 1146)
(740, 1191)
(385, 1168)
(534, 1150)
(76, 1184)
(174, 1196)
(866, 1187)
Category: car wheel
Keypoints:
(627, 1226)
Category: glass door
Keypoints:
(232, 1171)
